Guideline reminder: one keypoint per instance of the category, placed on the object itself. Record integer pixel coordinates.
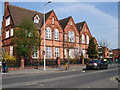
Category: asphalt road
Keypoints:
(71, 79)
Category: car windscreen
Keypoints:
(94, 61)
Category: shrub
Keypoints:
(10, 60)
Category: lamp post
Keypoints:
(45, 36)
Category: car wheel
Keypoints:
(106, 68)
(98, 68)
(87, 68)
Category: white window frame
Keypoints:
(87, 37)
(11, 31)
(71, 53)
(65, 37)
(53, 20)
(84, 53)
(77, 39)
(71, 23)
(35, 53)
(65, 53)
(56, 52)
(8, 21)
(48, 52)
(71, 36)
(83, 38)
(7, 33)
(36, 19)
(11, 50)
(56, 34)
(48, 33)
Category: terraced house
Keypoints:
(61, 35)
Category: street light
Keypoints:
(45, 36)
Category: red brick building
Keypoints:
(103, 52)
(58, 32)
(116, 54)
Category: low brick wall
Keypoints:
(35, 67)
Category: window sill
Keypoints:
(48, 57)
(35, 57)
(57, 40)
(48, 39)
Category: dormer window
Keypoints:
(80, 27)
(85, 28)
(36, 19)
(53, 20)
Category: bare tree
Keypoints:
(78, 52)
(103, 43)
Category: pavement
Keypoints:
(48, 70)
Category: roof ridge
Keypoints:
(25, 9)
(80, 22)
(65, 18)
(49, 11)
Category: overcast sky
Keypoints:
(101, 17)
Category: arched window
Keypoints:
(53, 20)
(87, 39)
(56, 34)
(48, 33)
(71, 36)
(83, 38)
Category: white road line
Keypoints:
(30, 84)
(41, 85)
(51, 79)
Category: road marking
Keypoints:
(41, 85)
(83, 71)
(51, 79)
(113, 79)
(30, 84)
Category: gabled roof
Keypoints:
(48, 14)
(18, 14)
(115, 49)
(80, 24)
(64, 21)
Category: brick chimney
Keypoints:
(5, 6)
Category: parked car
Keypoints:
(97, 64)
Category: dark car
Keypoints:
(97, 64)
